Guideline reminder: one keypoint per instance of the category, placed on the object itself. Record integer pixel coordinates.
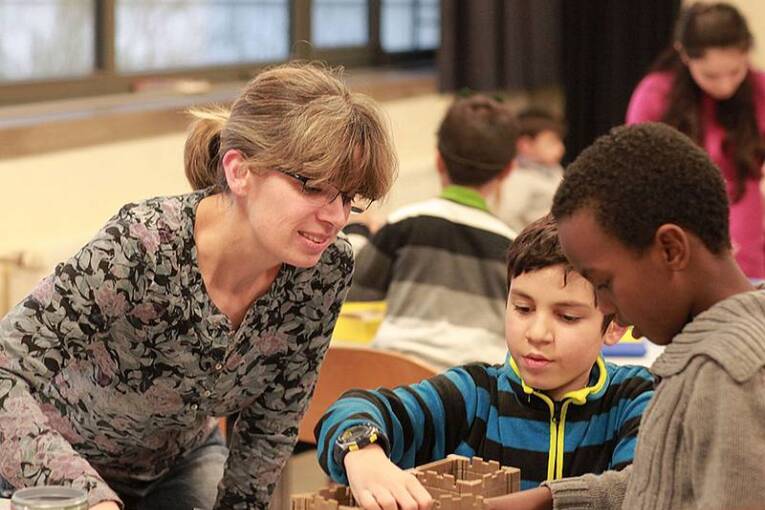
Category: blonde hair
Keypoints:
(296, 117)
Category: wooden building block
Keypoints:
(455, 483)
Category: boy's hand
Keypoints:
(378, 484)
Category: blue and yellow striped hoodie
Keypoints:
(488, 411)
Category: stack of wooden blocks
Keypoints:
(456, 483)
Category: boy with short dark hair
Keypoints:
(554, 408)
(643, 215)
(526, 194)
(439, 264)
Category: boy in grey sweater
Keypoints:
(643, 214)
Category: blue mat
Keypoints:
(627, 346)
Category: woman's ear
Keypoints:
(614, 333)
(236, 171)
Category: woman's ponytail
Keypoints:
(201, 155)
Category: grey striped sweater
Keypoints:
(440, 265)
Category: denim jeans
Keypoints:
(191, 484)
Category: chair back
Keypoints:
(347, 367)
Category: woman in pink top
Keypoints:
(704, 86)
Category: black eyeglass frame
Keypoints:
(306, 189)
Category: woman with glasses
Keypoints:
(207, 304)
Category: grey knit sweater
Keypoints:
(702, 439)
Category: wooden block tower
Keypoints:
(456, 483)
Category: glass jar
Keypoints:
(49, 497)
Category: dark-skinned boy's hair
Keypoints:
(476, 139)
(536, 248)
(533, 120)
(637, 178)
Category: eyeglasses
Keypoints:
(324, 194)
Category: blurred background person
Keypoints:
(704, 86)
(526, 194)
(439, 264)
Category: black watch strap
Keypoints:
(357, 437)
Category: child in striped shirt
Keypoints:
(554, 409)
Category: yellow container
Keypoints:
(358, 321)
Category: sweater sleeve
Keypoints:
(62, 318)
(265, 433)
(423, 422)
(605, 491)
(649, 100)
(724, 439)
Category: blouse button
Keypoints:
(208, 393)
(218, 366)
(194, 407)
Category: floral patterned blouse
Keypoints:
(115, 364)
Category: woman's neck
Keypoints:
(228, 255)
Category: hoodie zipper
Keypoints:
(555, 430)
(560, 449)
(558, 411)
(557, 436)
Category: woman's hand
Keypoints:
(378, 484)
(105, 505)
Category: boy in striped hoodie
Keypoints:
(554, 409)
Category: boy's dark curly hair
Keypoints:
(637, 178)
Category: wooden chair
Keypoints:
(348, 366)
(352, 366)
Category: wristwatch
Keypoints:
(357, 437)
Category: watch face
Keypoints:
(357, 437)
(357, 433)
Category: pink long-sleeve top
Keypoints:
(649, 102)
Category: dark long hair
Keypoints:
(700, 27)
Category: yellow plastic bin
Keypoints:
(358, 321)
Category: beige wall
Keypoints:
(754, 10)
